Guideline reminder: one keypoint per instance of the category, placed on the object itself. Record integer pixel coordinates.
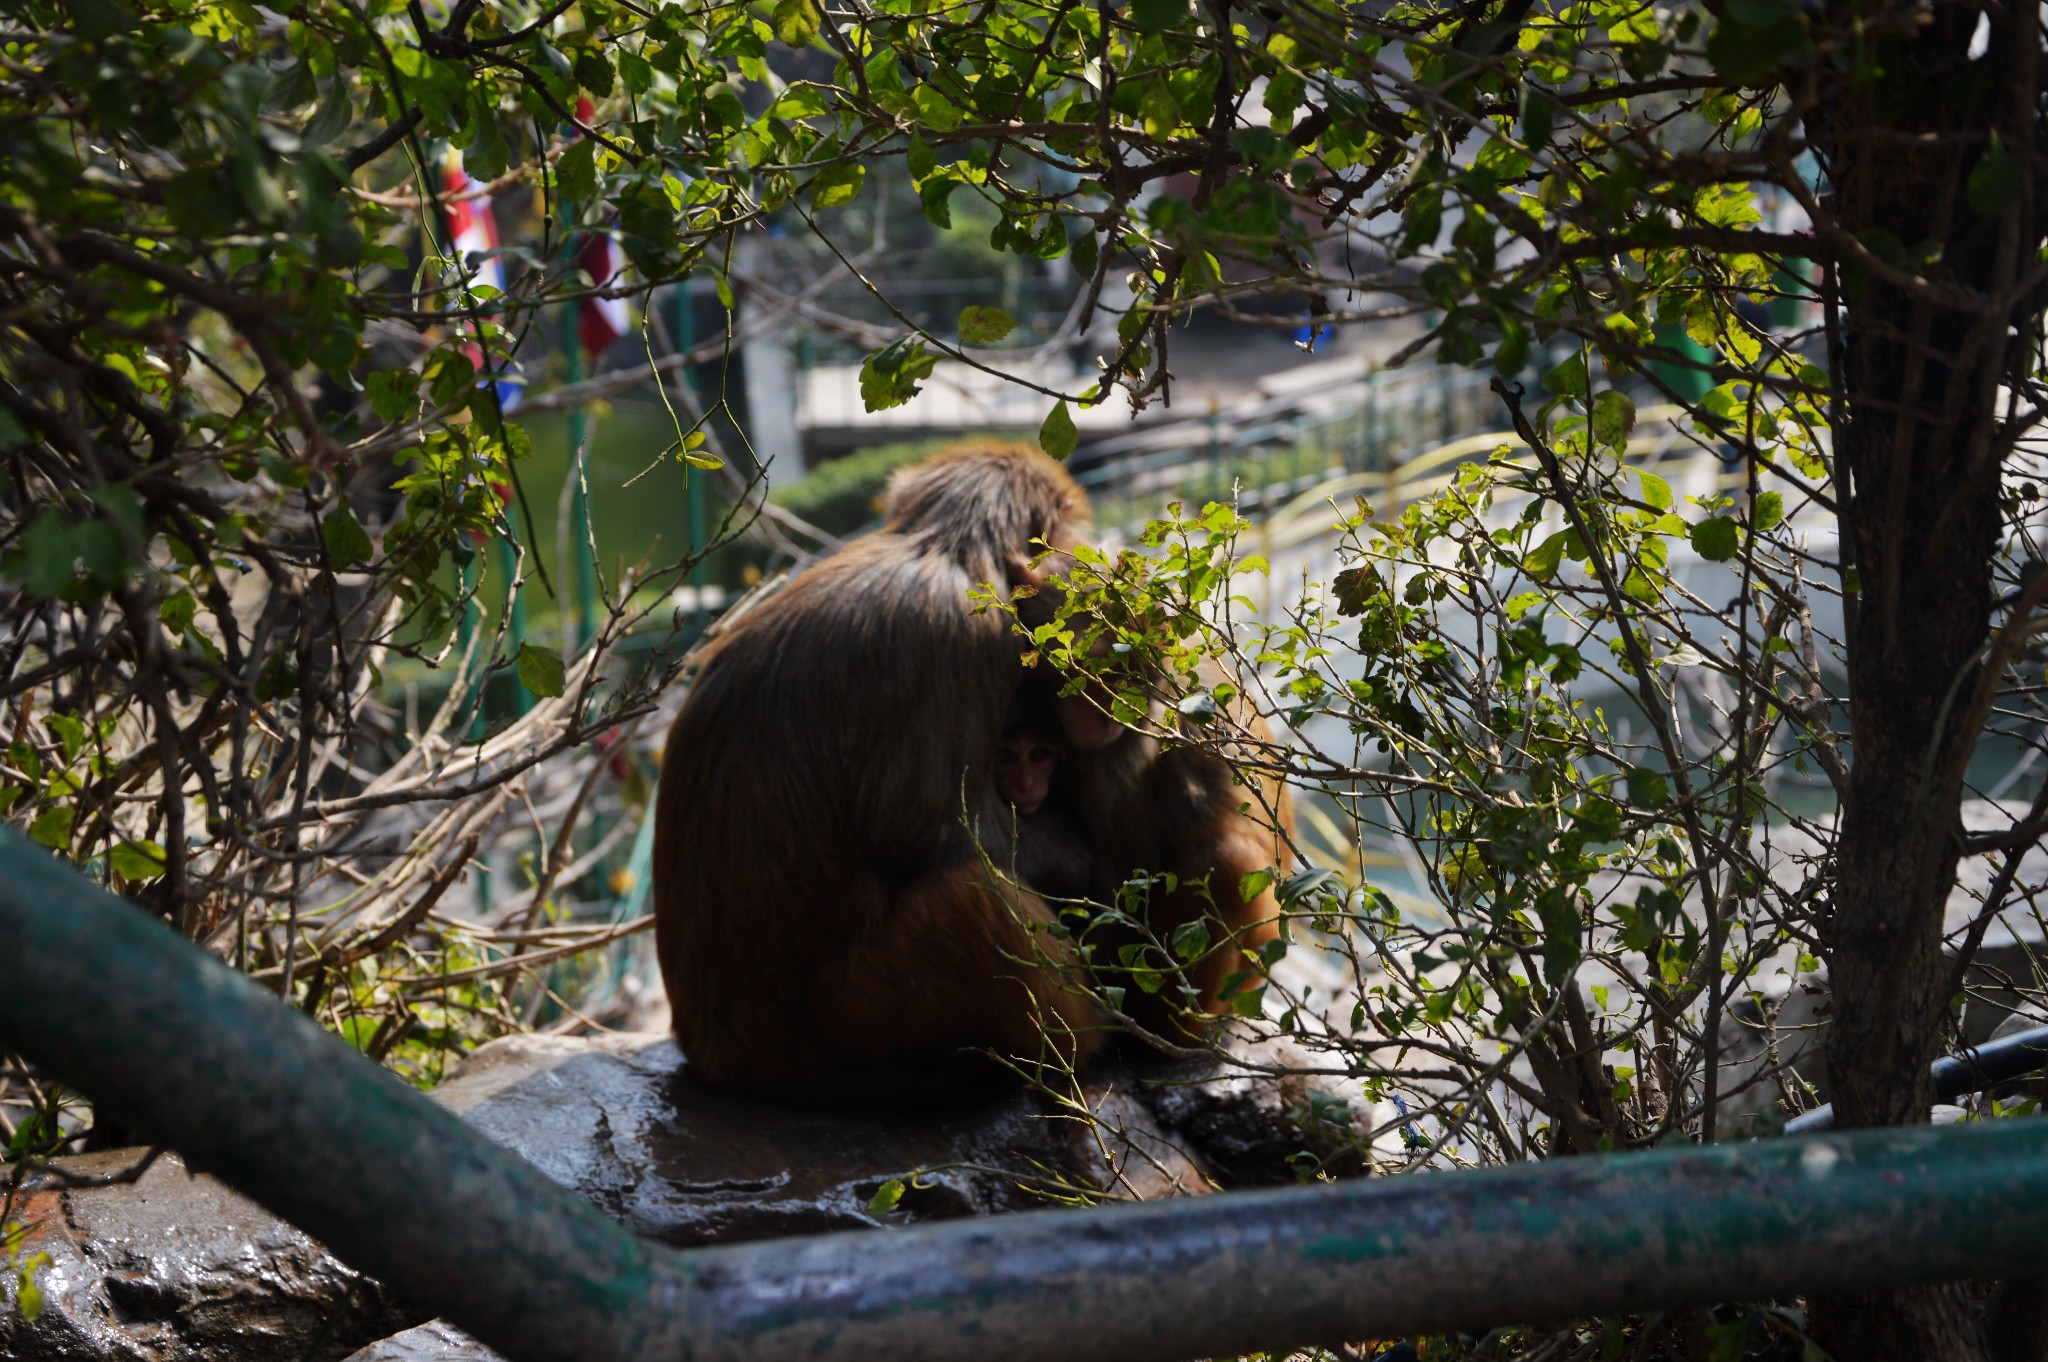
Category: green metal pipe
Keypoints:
(205, 1060)
(478, 688)
(579, 508)
(693, 486)
(167, 1037)
(1977, 1069)
(505, 558)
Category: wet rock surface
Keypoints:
(1260, 1120)
(175, 1266)
(620, 1121)
(178, 1267)
(435, 1341)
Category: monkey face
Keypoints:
(1024, 768)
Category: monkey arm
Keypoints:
(961, 961)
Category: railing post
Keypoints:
(507, 562)
(579, 509)
(686, 341)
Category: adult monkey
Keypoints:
(824, 921)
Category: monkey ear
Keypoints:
(1087, 726)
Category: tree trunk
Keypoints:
(1918, 458)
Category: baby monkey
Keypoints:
(1025, 762)
(1051, 853)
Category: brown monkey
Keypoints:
(822, 916)
(1026, 759)
(1176, 811)
(1048, 849)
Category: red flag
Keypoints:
(475, 229)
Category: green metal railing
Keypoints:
(178, 1045)
(1269, 452)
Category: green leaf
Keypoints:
(593, 72)
(394, 393)
(1355, 587)
(1156, 16)
(346, 540)
(1715, 539)
(838, 184)
(138, 861)
(723, 104)
(1536, 115)
(1297, 888)
(58, 558)
(1190, 940)
(518, 444)
(1648, 789)
(1057, 435)
(1614, 416)
(802, 101)
(1284, 93)
(694, 454)
(636, 72)
(1743, 54)
(1726, 205)
(1424, 219)
(1086, 254)
(796, 22)
(1254, 884)
(453, 379)
(1684, 655)
(486, 156)
(1513, 351)
(1159, 111)
(1561, 936)
(540, 670)
(70, 731)
(937, 112)
(576, 171)
(330, 120)
(1543, 560)
(53, 826)
(1994, 181)
(887, 1197)
(1567, 379)
(981, 325)
(932, 196)
(889, 377)
(1656, 491)
(1768, 511)
(178, 611)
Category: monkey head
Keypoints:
(1025, 763)
(996, 508)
